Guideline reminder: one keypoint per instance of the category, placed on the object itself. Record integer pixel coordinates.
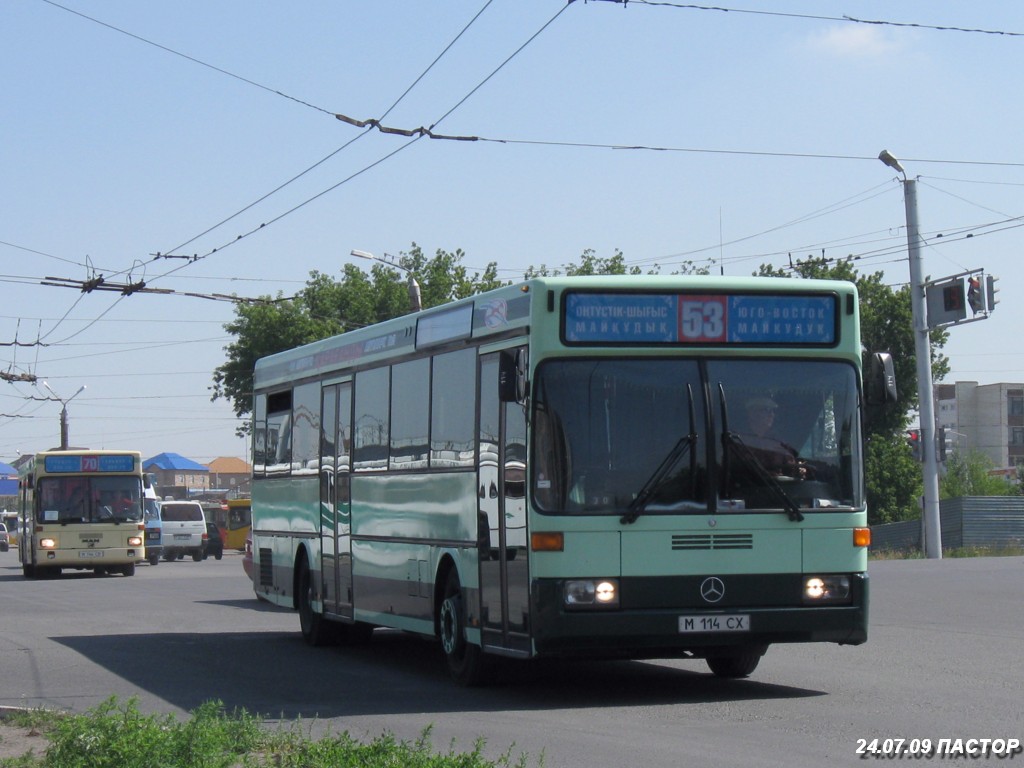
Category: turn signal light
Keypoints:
(547, 541)
(862, 537)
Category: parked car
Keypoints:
(154, 527)
(214, 542)
(5, 539)
(184, 529)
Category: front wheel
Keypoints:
(466, 662)
(738, 663)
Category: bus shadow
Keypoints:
(275, 674)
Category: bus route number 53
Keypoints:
(702, 318)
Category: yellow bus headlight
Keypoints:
(134, 541)
(47, 543)
(582, 594)
(831, 588)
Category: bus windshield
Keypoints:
(650, 436)
(89, 499)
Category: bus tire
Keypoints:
(316, 630)
(738, 663)
(465, 661)
(154, 559)
(128, 570)
(28, 571)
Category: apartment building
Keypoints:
(988, 418)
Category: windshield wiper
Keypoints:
(733, 443)
(657, 479)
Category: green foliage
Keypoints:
(967, 474)
(117, 735)
(893, 480)
(326, 307)
(592, 264)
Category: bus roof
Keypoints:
(504, 312)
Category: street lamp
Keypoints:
(923, 353)
(415, 304)
(64, 413)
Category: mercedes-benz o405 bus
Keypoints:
(573, 467)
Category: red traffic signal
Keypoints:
(974, 295)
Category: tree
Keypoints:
(326, 307)
(893, 480)
(967, 474)
(592, 264)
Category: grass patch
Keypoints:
(118, 735)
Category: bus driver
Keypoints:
(777, 457)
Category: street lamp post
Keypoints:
(415, 304)
(923, 353)
(64, 413)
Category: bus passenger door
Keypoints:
(501, 498)
(335, 500)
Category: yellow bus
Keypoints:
(233, 518)
(237, 524)
(82, 509)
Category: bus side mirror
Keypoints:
(512, 380)
(880, 387)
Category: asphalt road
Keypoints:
(943, 661)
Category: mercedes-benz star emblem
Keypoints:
(712, 589)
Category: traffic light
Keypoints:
(944, 442)
(990, 292)
(974, 295)
(914, 438)
(953, 297)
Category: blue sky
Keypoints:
(129, 129)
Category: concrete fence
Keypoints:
(968, 521)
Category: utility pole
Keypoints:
(923, 353)
(64, 413)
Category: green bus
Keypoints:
(567, 467)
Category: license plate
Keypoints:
(91, 553)
(182, 536)
(733, 622)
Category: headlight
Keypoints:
(47, 543)
(582, 594)
(834, 588)
(134, 541)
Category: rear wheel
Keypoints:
(466, 663)
(154, 559)
(316, 630)
(128, 570)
